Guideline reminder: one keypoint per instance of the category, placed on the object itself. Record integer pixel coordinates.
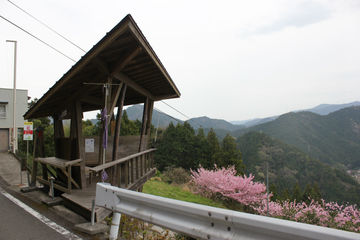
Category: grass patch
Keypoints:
(156, 187)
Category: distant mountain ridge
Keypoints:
(332, 138)
(322, 109)
(206, 122)
(158, 118)
(325, 109)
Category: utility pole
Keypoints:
(14, 132)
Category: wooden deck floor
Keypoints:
(80, 201)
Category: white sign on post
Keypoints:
(89, 144)
(28, 131)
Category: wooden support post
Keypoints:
(137, 168)
(146, 124)
(58, 134)
(69, 178)
(35, 163)
(41, 153)
(126, 173)
(80, 145)
(120, 105)
(77, 148)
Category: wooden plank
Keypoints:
(58, 162)
(142, 180)
(61, 188)
(80, 202)
(70, 179)
(118, 161)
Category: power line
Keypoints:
(47, 26)
(177, 120)
(47, 44)
(187, 117)
(57, 33)
(175, 109)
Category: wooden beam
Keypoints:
(114, 99)
(123, 62)
(123, 78)
(120, 105)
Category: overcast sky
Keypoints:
(232, 60)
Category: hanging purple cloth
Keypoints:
(104, 175)
(104, 117)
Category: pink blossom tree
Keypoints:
(249, 193)
(225, 182)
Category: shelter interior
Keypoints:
(121, 69)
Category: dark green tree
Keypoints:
(229, 155)
(296, 193)
(214, 149)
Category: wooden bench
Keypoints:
(64, 166)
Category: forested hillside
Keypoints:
(333, 139)
(288, 166)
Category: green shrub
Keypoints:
(176, 175)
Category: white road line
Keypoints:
(67, 234)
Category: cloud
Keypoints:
(295, 15)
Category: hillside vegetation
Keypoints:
(333, 139)
(288, 166)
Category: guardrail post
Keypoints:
(52, 187)
(93, 212)
(114, 230)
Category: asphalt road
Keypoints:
(17, 224)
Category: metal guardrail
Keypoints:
(206, 222)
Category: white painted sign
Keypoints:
(28, 131)
(89, 144)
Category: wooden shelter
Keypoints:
(121, 69)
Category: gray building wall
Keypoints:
(6, 117)
(6, 97)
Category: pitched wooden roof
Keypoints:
(124, 55)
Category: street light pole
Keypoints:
(14, 133)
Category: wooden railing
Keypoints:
(129, 172)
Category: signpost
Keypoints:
(27, 136)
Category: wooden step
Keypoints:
(80, 202)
